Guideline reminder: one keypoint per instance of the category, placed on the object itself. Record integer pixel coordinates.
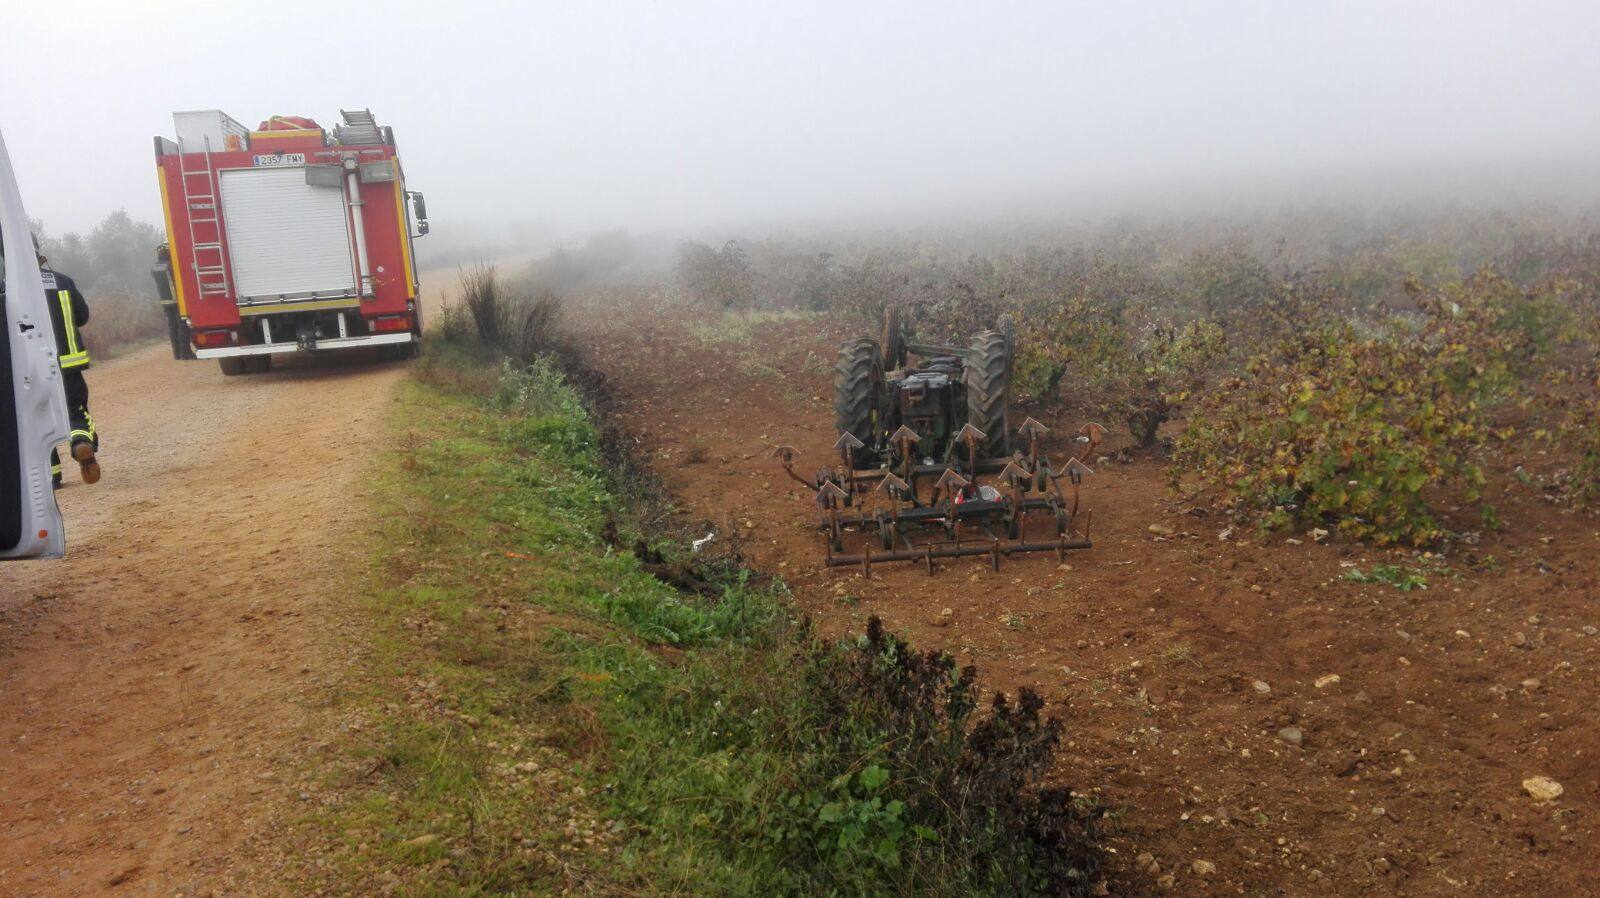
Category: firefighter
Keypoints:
(68, 313)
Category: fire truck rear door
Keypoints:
(286, 238)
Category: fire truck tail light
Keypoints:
(390, 323)
(208, 339)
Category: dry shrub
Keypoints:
(485, 302)
(119, 321)
(716, 278)
(531, 327)
(498, 318)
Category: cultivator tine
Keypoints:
(847, 444)
(1013, 472)
(830, 495)
(1034, 431)
(948, 490)
(829, 498)
(970, 437)
(903, 439)
(896, 488)
(949, 484)
(1014, 475)
(788, 454)
(1075, 472)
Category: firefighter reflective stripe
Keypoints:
(86, 432)
(75, 356)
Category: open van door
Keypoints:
(33, 409)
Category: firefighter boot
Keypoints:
(88, 465)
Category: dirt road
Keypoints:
(150, 680)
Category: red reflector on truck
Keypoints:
(391, 323)
(207, 339)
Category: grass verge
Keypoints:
(545, 714)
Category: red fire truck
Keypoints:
(287, 238)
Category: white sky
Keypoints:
(688, 114)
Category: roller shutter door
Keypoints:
(286, 237)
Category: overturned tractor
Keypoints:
(927, 463)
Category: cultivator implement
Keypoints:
(925, 465)
(970, 506)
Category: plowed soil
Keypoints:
(154, 681)
(1186, 659)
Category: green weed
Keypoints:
(739, 327)
(1403, 579)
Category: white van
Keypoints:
(33, 408)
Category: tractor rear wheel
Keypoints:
(1007, 326)
(988, 380)
(893, 339)
(859, 394)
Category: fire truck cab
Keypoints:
(287, 238)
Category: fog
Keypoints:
(562, 118)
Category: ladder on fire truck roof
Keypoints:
(359, 128)
(204, 208)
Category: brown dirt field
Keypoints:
(157, 681)
(1408, 778)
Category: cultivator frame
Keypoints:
(926, 468)
(906, 510)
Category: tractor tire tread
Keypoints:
(988, 380)
(857, 377)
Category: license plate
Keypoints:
(280, 159)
